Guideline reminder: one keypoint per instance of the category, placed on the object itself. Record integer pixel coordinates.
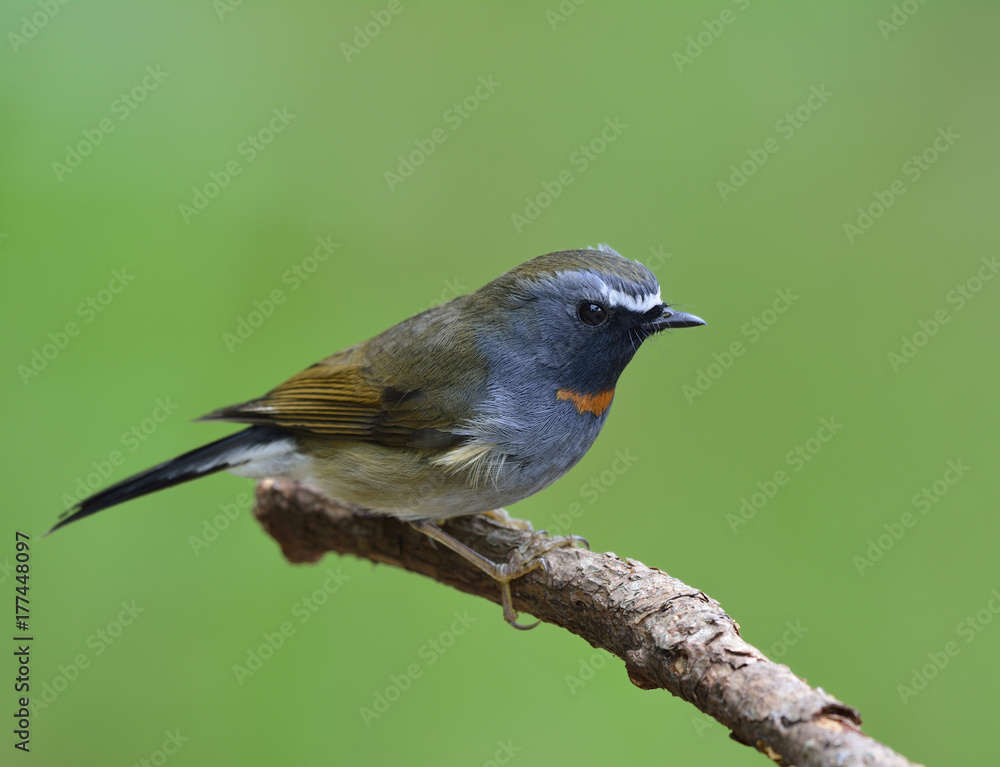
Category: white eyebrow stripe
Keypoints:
(641, 305)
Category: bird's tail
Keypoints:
(226, 453)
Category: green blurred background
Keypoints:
(847, 573)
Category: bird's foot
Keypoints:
(527, 557)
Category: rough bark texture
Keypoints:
(670, 635)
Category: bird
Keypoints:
(467, 407)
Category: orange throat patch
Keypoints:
(596, 404)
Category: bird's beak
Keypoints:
(674, 319)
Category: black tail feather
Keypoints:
(208, 459)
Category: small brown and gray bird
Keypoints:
(464, 408)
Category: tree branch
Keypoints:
(670, 635)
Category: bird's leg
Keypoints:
(503, 574)
(528, 557)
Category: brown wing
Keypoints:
(345, 396)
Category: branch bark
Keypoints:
(670, 635)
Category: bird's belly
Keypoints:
(402, 483)
(423, 484)
(410, 484)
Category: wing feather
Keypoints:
(348, 395)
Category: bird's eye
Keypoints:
(592, 314)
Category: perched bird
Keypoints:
(464, 408)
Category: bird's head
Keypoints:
(580, 315)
